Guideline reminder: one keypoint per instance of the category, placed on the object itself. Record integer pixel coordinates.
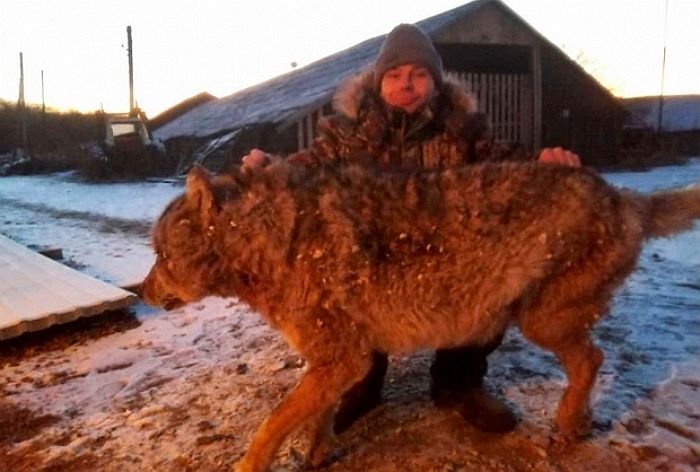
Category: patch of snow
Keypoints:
(62, 191)
(57, 210)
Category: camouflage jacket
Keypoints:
(449, 132)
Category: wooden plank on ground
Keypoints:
(37, 292)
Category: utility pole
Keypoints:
(131, 69)
(21, 106)
(663, 75)
(43, 110)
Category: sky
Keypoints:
(222, 46)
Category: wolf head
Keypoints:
(220, 237)
(182, 246)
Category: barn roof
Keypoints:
(680, 112)
(180, 109)
(292, 95)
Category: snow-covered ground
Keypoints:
(183, 390)
(101, 227)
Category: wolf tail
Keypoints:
(671, 211)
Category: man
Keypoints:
(402, 113)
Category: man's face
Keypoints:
(409, 86)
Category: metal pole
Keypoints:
(663, 75)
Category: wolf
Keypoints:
(347, 260)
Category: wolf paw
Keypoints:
(320, 459)
(573, 428)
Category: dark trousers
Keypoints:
(461, 368)
(454, 369)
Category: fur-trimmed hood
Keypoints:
(355, 91)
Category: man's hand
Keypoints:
(255, 159)
(559, 156)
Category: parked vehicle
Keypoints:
(126, 148)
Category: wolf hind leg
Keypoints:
(566, 333)
(314, 397)
(581, 361)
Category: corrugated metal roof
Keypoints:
(36, 292)
(680, 112)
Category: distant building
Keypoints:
(533, 93)
(178, 110)
(678, 125)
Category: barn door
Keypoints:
(507, 100)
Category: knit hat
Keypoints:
(407, 44)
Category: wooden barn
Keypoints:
(533, 93)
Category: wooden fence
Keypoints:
(506, 100)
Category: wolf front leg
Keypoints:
(317, 393)
(322, 440)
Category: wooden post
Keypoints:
(131, 69)
(21, 106)
(43, 111)
(526, 114)
(659, 127)
(309, 129)
(300, 134)
(536, 97)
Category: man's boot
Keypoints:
(364, 396)
(457, 383)
(478, 407)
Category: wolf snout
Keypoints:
(171, 302)
(151, 292)
(167, 301)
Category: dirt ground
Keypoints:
(115, 393)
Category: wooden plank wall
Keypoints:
(504, 98)
(307, 127)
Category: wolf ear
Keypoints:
(198, 191)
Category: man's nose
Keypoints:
(407, 82)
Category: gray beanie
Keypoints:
(407, 44)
